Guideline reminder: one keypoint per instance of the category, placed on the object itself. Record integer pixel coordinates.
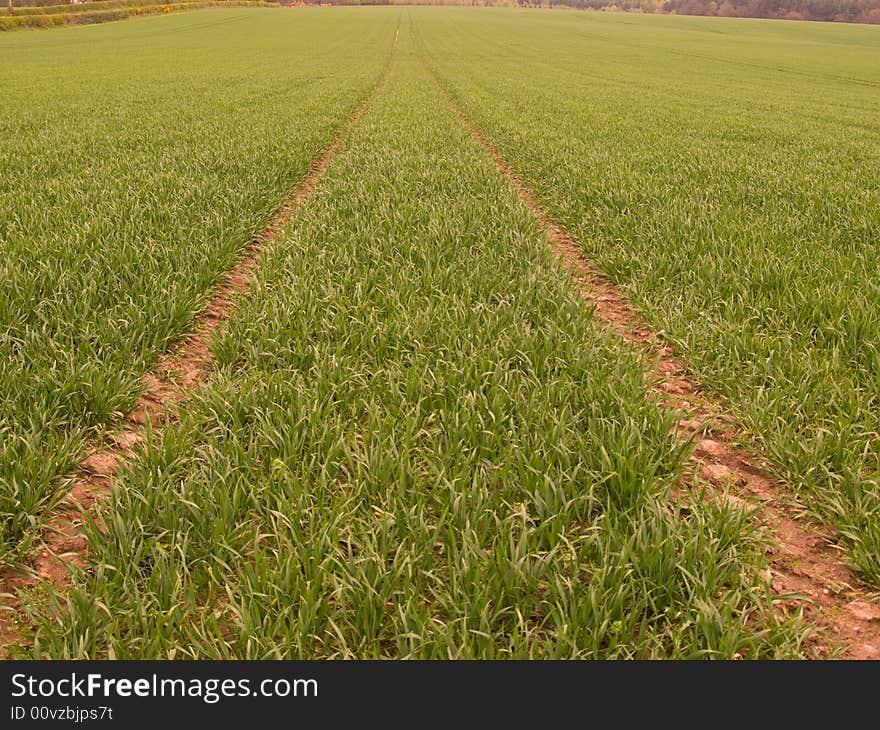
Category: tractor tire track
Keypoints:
(805, 571)
(165, 387)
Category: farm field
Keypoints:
(123, 199)
(726, 174)
(415, 437)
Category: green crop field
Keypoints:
(727, 174)
(124, 198)
(417, 439)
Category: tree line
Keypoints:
(846, 11)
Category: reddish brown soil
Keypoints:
(802, 560)
(170, 382)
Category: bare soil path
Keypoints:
(802, 561)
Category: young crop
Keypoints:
(129, 181)
(726, 174)
(417, 444)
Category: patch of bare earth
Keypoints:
(802, 560)
(169, 383)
